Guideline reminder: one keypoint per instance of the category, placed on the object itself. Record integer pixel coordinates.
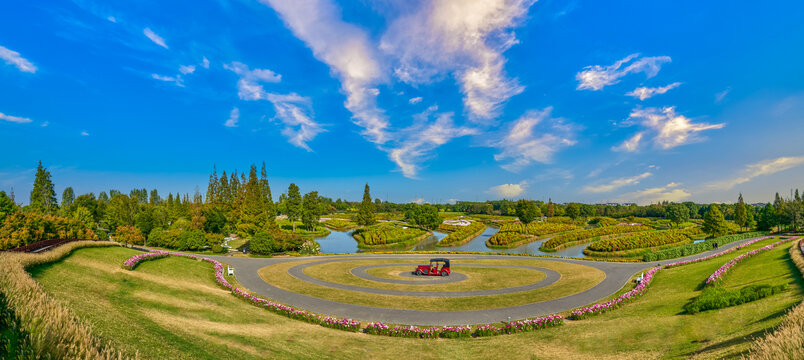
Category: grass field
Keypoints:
(574, 279)
(172, 308)
(480, 278)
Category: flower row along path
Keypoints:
(617, 275)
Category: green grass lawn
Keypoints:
(574, 278)
(172, 308)
(479, 278)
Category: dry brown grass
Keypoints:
(53, 330)
(787, 341)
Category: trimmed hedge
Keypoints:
(713, 298)
(692, 249)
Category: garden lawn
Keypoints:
(172, 308)
(480, 278)
(574, 278)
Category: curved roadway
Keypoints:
(617, 275)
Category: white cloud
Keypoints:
(643, 93)
(508, 191)
(248, 86)
(348, 52)
(234, 116)
(616, 183)
(12, 57)
(670, 192)
(205, 63)
(418, 201)
(668, 128)
(722, 95)
(415, 100)
(45, 124)
(466, 38)
(295, 112)
(631, 144)
(174, 79)
(762, 168)
(424, 138)
(596, 77)
(187, 69)
(523, 146)
(112, 19)
(84, 133)
(452, 201)
(14, 119)
(158, 40)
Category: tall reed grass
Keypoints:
(52, 331)
(787, 341)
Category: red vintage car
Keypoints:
(437, 267)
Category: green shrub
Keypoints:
(713, 298)
(262, 243)
(213, 239)
(192, 240)
(310, 247)
(218, 249)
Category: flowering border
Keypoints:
(718, 275)
(738, 247)
(375, 328)
(612, 304)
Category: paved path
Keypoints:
(617, 275)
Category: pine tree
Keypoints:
(212, 187)
(293, 204)
(740, 218)
(268, 207)
(154, 199)
(311, 210)
(551, 208)
(223, 189)
(714, 223)
(67, 198)
(365, 213)
(43, 196)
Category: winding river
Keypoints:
(343, 242)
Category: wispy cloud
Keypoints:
(643, 93)
(508, 191)
(347, 50)
(234, 116)
(158, 40)
(762, 168)
(415, 100)
(174, 79)
(596, 77)
(420, 140)
(295, 112)
(13, 58)
(84, 133)
(616, 183)
(111, 19)
(668, 128)
(522, 145)
(205, 63)
(14, 119)
(187, 69)
(671, 192)
(248, 86)
(466, 38)
(722, 95)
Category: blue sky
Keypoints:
(433, 101)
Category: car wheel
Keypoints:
(419, 272)
(444, 273)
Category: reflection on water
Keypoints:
(343, 242)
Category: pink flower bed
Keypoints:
(631, 224)
(718, 275)
(133, 261)
(738, 247)
(638, 290)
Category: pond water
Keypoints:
(343, 242)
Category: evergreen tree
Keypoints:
(212, 187)
(268, 206)
(67, 198)
(252, 214)
(677, 213)
(750, 220)
(551, 208)
(767, 220)
(223, 189)
(714, 222)
(311, 210)
(154, 199)
(7, 206)
(43, 196)
(365, 213)
(102, 197)
(740, 217)
(293, 204)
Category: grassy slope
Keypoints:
(182, 314)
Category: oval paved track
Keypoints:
(453, 277)
(298, 272)
(617, 275)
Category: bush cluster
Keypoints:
(641, 240)
(462, 233)
(691, 249)
(713, 298)
(180, 239)
(386, 235)
(269, 242)
(582, 234)
(20, 229)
